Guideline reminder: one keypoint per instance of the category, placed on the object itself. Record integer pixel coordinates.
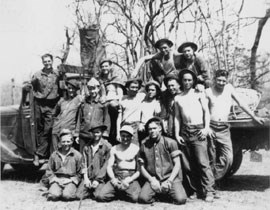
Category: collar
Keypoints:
(51, 71)
(70, 153)
(96, 100)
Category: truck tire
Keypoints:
(237, 160)
(25, 168)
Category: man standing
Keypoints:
(220, 97)
(92, 111)
(65, 112)
(161, 166)
(167, 103)
(45, 90)
(191, 61)
(192, 118)
(129, 110)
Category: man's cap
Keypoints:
(74, 83)
(162, 41)
(93, 82)
(187, 44)
(185, 71)
(170, 77)
(152, 82)
(128, 129)
(100, 126)
(133, 80)
(116, 81)
(104, 61)
(65, 132)
(153, 119)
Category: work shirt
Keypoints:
(45, 86)
(70, 167)
(91, 113)
(158, 155)
(149, 110)
(198, 65)
(95, 164)
(66, 111)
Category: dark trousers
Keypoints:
(109, 192)
(197, 168)
(44, 110)
(66, 192)
(176, 193)
(84, 192)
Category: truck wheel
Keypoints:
(237, 160)
(25, 168)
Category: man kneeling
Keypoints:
(160, 166)
(64, 167)
(122, 169)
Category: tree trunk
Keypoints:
(254, 48)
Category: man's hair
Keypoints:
(134, 82)
(47, 55)
(221, 73)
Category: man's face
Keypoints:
(97, 134)
(151, 91)
(71, 91)
(47, 62)
(126, 138)
(187, 81)
(220, 82)
(105, 68)
(133, 89)
(154, 130)
(66, 142)
(188, 52)
(173, 86)
(93, 90)
(164, 49)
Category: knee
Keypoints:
(144, 198)
(102, 197)
(180, 200)
(68, 196)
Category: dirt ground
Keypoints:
(248, 189)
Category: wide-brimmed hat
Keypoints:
(105, 60)
(152, 82)
(100, 126)
(74, 83)
(185, 71)
(162, 41)
(153, 119)
(132, 80)
(187, 44)
(64, 132)
(128, 129)
(170, 77)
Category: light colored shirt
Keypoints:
(149, 110)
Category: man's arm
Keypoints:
(118, 122)
(176, 168)
(245, 107)
(140, 62)
(177, 122)
(203, 77)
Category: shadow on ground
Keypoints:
(245, 182)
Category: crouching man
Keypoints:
(94, 164)
(122, 169)
(65, 168)
(160, 166)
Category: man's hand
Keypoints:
(77, 140)
(95, 184)
(180, 140)
(166, 186)
(199, 88)
(115, 182)
(203, 134)
(118, 137)
(211, 134)
(155, 185)
(125, 183)
(141, 127)
(87, 183)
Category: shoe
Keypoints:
(217, 195)
(36, 160)
(209, 198)
(193, 196)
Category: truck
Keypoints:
(18, 135)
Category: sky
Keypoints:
(30, 28)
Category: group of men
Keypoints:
(168, 140)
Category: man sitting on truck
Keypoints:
(220, 97)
